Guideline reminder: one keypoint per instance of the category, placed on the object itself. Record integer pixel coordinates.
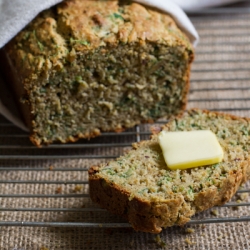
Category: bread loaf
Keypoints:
(84, 67)
(140, 187)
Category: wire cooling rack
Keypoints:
(48, 187)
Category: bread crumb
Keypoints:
(77, 188)
(214, 212)
(59, 190)
(219, 237)
(189, 242)
(242, 197)
(161, 243)
(189, 230)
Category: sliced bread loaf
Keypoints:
(84, 67)
(140, 187)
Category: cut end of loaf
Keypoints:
(159, 197)
(110, 89)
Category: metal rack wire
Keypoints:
(220, 81)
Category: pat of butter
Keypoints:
(188, 149)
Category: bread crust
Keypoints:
(151, 216)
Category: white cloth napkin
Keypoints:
(16, 14)
(191, 5)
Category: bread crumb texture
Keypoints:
(189, 242)
(140, 187)
(88, 66)
(189, 230)
(214, 212)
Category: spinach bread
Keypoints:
(83, 67)
(140, 187)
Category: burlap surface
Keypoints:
(220, 81)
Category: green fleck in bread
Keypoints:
(88, 66)
(139, 186)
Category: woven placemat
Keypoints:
(220, 80)
(205, 236)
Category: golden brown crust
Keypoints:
(216, 113)
(143, 215)
(76, 20)
(89, 14)
(73, 138)
(151, 217)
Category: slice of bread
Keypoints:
(140, 187)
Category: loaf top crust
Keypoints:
(58, 34)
